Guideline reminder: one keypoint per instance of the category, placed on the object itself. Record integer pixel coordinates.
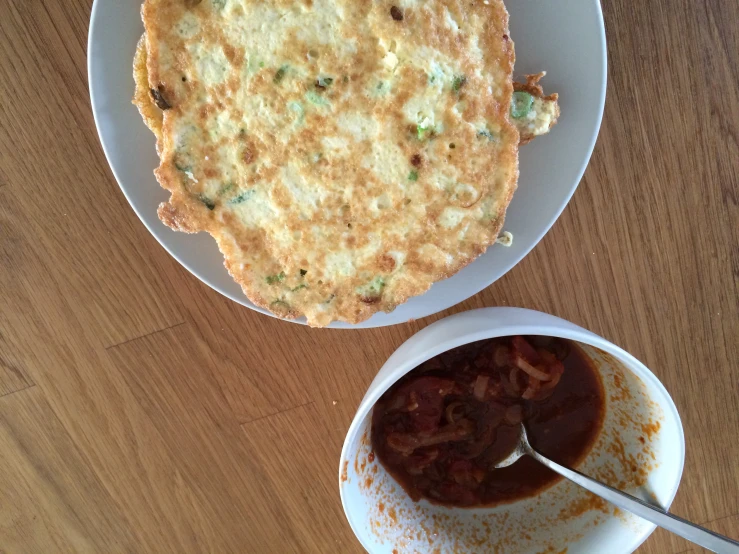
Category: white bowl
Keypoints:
(564, 516)
(567, 39)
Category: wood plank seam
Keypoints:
(15, 371)
(146, 335)
(704, 524)
(32, 385)
(242, 423)
(719, 519)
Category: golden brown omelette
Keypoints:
(344, 154)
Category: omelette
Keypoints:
(345, 155)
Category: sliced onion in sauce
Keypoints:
(513, 378)
(397, 402)
(412, 403)
(532, 389)
(481, 386)
(534, 372)
(452, 412)
(551, 383)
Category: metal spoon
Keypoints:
(694, 533)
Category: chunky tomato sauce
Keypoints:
(440, 430)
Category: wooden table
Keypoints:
(142, 412)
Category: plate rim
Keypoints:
(376, 320)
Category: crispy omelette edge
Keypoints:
(533, 87)
(142, 99)
(181, 215)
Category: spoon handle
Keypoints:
(694, 533)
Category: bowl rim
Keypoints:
(553, 327)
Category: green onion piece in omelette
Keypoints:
(225, 188)
(373, 289)
(422, 130)
(279, 74)
(243, 197)
(207, 201)
(323, 82)
(521, 104)
(272, 279)
(458, 83)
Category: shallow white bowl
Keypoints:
(637, 405)
(567, 39)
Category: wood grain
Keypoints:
(182, 422)
(52, 501)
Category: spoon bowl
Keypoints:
(522, 448)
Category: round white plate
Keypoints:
(567, 39)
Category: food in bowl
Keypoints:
(443, 427)
(344, 155)
(639, 449)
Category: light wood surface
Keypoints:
(142, 412)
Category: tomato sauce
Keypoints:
(440, 430)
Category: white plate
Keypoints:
(567, 39)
